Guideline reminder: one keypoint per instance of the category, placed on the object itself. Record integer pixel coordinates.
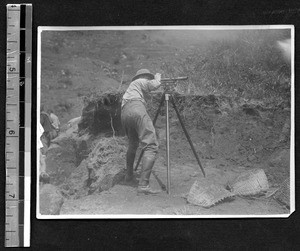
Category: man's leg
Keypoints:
(129, 124)
(44, 177)
(150, 145)
(130, 156)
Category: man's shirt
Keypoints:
(138, 90)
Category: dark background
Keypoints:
(151, 234)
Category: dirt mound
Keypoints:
(65, 154)
(100, 171)
(102, 114)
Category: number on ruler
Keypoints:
(13, 196)
(12, 69)
(11, 132)
(28, 60)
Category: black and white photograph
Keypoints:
(165, 122)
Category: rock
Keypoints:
(66, 153)
(51, 200)
(103, 168)
(61, 159)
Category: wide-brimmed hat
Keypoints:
(143, 72)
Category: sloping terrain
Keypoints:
(231, 134)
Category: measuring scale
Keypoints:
(18, 124)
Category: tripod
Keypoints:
(166, 97)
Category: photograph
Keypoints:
(165, 122)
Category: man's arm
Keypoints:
(155, 83)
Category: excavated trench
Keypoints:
(241, 134)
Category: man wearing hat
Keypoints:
(139, 127)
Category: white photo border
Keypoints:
(189, 27)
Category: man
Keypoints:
(49, 131)
(139, 127)
(44, 177)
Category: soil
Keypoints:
(230, 136)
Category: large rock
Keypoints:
(65, 153)
(51, 200)
(103, 168)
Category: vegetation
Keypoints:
(249, 67)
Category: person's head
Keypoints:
(143, 73)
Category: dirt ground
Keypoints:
(124, 200)
(229, 140)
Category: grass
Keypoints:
(250, 67)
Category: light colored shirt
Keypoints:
(55, 121)
(139, 89)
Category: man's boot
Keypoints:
(130, 156)
(144, 186)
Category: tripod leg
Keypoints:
(154, 121)
(163, 187)
(168, 143)
(187, 135)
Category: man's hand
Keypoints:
(157, 77)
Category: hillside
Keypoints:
(236, 106)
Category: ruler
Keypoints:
(18, 124)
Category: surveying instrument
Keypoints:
(169, 86)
